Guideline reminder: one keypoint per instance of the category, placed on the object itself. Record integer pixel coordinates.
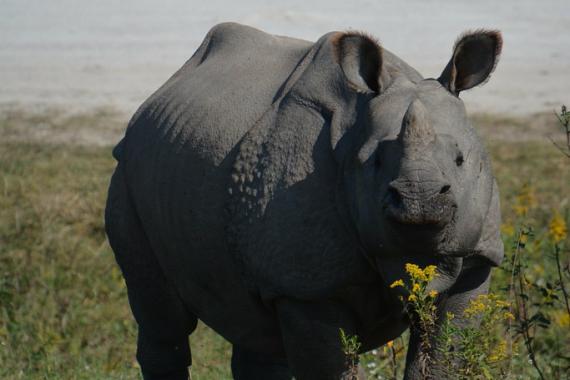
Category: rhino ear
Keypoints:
(360, 58)
(475, 56)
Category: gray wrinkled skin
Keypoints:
(273, 188)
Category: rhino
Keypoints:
(274, 188)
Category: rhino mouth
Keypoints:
(429, 214)
(421, 224)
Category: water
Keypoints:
(82, 54)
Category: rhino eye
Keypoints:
(459, 159)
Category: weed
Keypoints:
(350, 348)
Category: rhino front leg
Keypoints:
(249, 365)
(472, 282)
(311, 338)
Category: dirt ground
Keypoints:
(76, 71)
(85, 54)
(105, 126)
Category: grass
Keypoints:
(63, 306)
(63, 309)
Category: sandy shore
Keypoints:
(79, 54)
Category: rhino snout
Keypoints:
(420, 203)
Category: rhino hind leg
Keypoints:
(164, 324)
(248, 365)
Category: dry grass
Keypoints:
(63, 307)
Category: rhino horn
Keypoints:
(416, 132)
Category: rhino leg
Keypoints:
(248, 365)
(472, 282)
(311, 336)
(163, 322)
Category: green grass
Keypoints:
(63, 305)
(546, 173)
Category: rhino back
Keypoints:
(216, 97)
(177, 156)
(397, 66)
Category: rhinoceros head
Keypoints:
(418, 178)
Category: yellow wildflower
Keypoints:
(412, 298)
(415, 272)
(419, 274)
(562, 319)
(390, 344)
(430, 272)
(499, 353)
(525, 200)
(433, 293)
(520, 210)
(508, 316)
(416, 288)
(501, 303)
(538, 269)
(557, 228)
(397, 283)
(508, 229)
(476, 306)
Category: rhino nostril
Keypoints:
(445, 189)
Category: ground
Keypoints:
(63, 305)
